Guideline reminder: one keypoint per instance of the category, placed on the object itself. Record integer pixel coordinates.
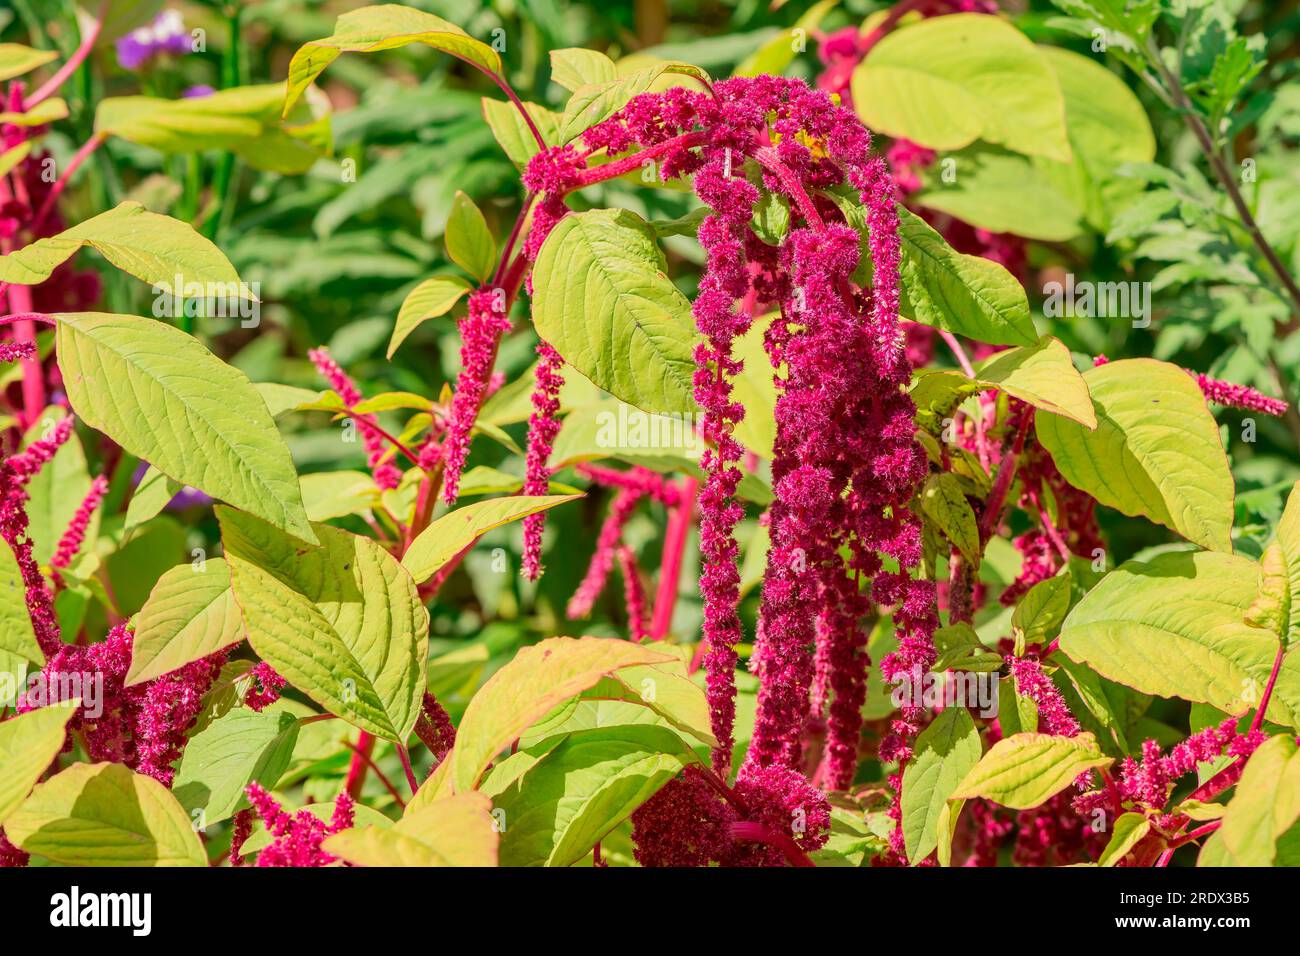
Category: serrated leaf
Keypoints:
(945, 752)
(157, 249)
(457, 530)
(948, 81)
(469, 243)
(603, 299)
(28, 745)
(237, 749)
(1155, 452)
(538, 678)
(582, 789)
(103, 814)
(1023, 770)
(381, 27)
(189, 615)
(428, 300)
(342, 622)
(455, 831)
(1174, 627)
(165, 398)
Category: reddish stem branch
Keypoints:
(56, 190)
(51, 86)
(670, 566)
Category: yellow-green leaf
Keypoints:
(469, 243)
(43, 113)
(103, 814)
(16, 59)
(457, 530)
(381, 27)
(1023, 770)
(946, 751)
(1155, 452)
(1129, 830)
(342, 622)
(428, 300)
(1277, 605)
(455, 831)
(526, 689)
(162, 396)
(190, 614)
(28, 744)
(1265, 804)
(1043, 376)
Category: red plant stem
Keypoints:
(1002, 484)
(1053, 535)
(514, 237)
(74, 164)
(981, 439)
(361, 416)
(357, 770)
(24, 323)
(1268, 688)
(51, 86)
(757, 833)
(368, 762)
(766, 157)
(612, 170)
(670, 567)
(405, 756)
(1220, 782)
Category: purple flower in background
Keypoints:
(167, 34)
(198, 92)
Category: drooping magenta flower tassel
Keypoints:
(602, 560)
(543, 426)
(634, 594)
(387, 475)
(266, 686)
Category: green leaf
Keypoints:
(28, 745)
(666, 690)
(342, 622)
(1265, 805)
(538, 678)
(102, 814)
(991, 188)
(968, 295)
(1041, 611)
(593, 102)
(1129, 830)
(236, 749)
(1043, 376)
(16, 59)
(244, 120)
(455, 831)
(574, 67)
(946, 751)
(11, 157)
(428, 300)
(944, 503)
(469, 243)
(1277, 606)
(948, 81)
(1174, 627)
(165, 398)
(42, 114)
(604, 301)
(457, 530)
(335, 494)
(1155, 451)
(582, 789)
(513, 134)
(1023, 770)
(16, 634)
(150, 497)
(57, 490)
(157, 249)
(189, 615)
(381, 27)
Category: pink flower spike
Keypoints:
(70, 542)
(387, 475)
(543, 426)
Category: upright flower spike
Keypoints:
(387, 475)
(434, 728)
(1054, 715)
(70, 542)
(480, 334)
(543, 426)
(297, 837)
